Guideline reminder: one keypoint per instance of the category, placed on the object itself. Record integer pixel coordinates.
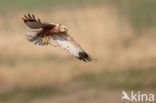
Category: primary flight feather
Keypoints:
(43, 33)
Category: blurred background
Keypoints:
(121, 34)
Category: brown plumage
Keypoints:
(45, 32)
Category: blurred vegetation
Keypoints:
(130, 79)
(141, 13)
(29, 93)
(10, 60)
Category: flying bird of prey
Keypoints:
(42, 33)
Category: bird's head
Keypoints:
(62, 28)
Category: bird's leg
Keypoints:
(46, 40)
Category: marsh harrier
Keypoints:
(42, 33)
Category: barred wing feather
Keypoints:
(35, 23)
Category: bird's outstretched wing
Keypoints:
(71, 46)
(35, 23)
(40, 29)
